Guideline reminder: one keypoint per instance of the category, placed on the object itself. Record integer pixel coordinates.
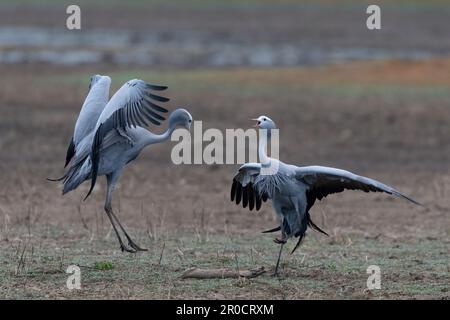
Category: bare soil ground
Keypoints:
(387, 120)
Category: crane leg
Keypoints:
(122, 246)
(275, 274)
(130, 241)
(111, 180)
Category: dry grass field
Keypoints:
(378, 119)
(386, 119)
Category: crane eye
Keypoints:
(264, 119)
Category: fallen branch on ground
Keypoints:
(197, 273)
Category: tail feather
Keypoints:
(74, 177)
(272, 230)
(57, 179)
(95, 157)
(70, 152)
(300, 239)
(315, 227)
(301, 234)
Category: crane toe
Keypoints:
(279, 241)
(136, 247)
(125, 248)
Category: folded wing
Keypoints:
(93, 106)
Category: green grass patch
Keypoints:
(103, 265)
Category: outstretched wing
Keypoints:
(323, 181)
(132, 105)
(243, 187)
(93, 106)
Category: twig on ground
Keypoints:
(196, 273)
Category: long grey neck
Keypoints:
(157, 138)
(262, 148)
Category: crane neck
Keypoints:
(264, 136)
(153, 138)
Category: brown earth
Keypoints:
(335, 116)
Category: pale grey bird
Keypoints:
(109, 134)
(293, 190)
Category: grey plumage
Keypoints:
(91, 109)
(128, 108)
(293, 190)
(109, 134)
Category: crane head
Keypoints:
(180, 118)
(264, 122)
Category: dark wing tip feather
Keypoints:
(238, 193)
(70, 152)
(244, 197)
(248, 194)
(258, 201)
(298, 242)
(155, 122)
(233, 190)
(93, 181)
(157, 98)
(140, 119)
(95, 157)
(155, 106)
(401, 195)
(251, 197)
(152, 114)
(155, 87)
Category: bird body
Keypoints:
(108, 135)
(288, 196)
(118, 151)
(293, 190)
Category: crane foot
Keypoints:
(125, 248)
(279, 241)
(135, 246)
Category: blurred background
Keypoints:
(373, 102)
(220, 33)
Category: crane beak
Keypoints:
(257, 123)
